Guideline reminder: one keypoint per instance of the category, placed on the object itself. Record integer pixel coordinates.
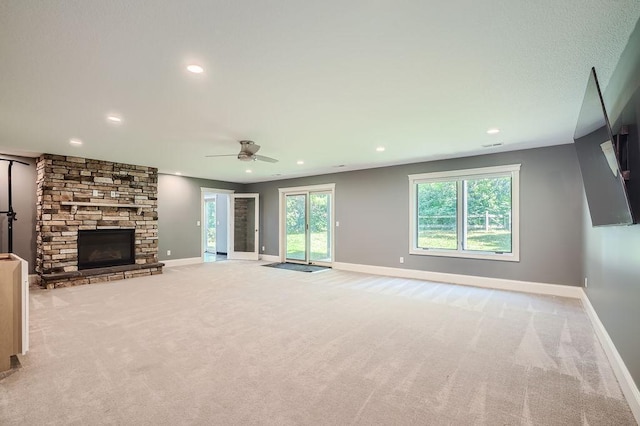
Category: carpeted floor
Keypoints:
(236, 343)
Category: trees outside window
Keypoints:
(466, 213)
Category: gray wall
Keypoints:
(612, 267)
(23, 180)
(372, 207)
(611, 255)
(178, 213)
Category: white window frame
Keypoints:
(512, 170)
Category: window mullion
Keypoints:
(462, 213)
(465, 211)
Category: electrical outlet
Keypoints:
(401, 259)
(95, 193)
(197, 223)
(262, 248)
(337, 223)
(586, 282)
(114, 194)
(168, 252)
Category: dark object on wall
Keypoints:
(599, 157)
(11, 215)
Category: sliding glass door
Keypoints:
(308, 236)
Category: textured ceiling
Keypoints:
(324, 82)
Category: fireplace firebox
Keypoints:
(102, 248)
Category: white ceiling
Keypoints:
(321, 81)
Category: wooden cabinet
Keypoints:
(14, 308)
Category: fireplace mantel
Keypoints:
(75, 204)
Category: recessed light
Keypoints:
(114, 118)
(493, 131)
(380, 148)
(300, 162)
(75, 142)
(196, 69)
(248, 171)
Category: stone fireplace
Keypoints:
(96, 221)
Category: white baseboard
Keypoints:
(181, 262)
(194, 260)
(495, 283)
(269, 258)
(627, 384)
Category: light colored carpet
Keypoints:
(237, 343)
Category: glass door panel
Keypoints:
(320, 226)
(210, 225)
(244, 227)
(296, 227)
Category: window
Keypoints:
(466, 213)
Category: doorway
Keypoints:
(215, 224)
(307, 224)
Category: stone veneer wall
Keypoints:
(71, 179)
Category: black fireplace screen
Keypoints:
(105, 247)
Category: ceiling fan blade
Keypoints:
(263, 158)
(222, 155)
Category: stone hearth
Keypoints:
(82, 194)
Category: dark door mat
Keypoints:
(298, 267)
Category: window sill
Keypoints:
(507, 257)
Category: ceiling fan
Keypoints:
(247, 152)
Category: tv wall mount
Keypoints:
(622, 151)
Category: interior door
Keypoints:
(308, 237)
(243, 220)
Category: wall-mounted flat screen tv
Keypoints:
(604, 184)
